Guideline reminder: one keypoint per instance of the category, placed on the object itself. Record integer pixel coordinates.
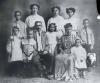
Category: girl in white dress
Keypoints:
(52, 41)
(14, 50)
(52, 37)
(14, 47)
(80, 55)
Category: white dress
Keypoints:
(52, 40)
(80, 57)
(30, 21)
(14, 50)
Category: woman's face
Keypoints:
(71, 13)
(34, 9)
(68, 30)
(56, 11)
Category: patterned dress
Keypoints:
(62, 66)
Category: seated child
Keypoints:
(80, 56)
(30, 51)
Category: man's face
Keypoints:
(18, 15)
(39, 26)
(56, 11)
(34, 9)
(86, 23)
(71, 13)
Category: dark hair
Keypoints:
(50, 26)
(52, 9)
(17, 12)
(37, 22)
(67, 25)
(73, 9)
(31, 6)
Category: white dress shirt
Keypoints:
(39, 41)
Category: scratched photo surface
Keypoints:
(84, 9)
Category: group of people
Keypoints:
(59, 50)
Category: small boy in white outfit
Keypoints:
(80, 56)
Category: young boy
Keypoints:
(19, 24)
(80, 56)
(30, 52)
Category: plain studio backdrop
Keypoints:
(84, 9)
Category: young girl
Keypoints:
(80, 55)
(52, 41)
(14, 50)
(52, 37)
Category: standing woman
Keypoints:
(72, 18)
(31, 19)
(57, 19)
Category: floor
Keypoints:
(92, 77)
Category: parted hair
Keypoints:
(31, 6)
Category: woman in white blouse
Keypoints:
(57, 19)
(31, 19)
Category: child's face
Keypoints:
(78, 42)
(86, 23)
(30, 34)
(18, 16)
(52, 27)
(16, 31)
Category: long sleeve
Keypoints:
(43, 27)
(8, 47)
(92, 39)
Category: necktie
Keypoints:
(86, 36)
